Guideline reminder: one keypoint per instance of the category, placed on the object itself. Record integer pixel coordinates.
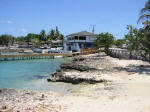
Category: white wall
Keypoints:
(76, 47)
(90, 38)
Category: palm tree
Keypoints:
(51, 34)
(43, 35)
(145, 12)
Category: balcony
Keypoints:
(79, 41)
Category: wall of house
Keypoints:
(75, 47)
(90, 38)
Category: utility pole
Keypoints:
(93, 30)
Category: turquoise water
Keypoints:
(8, 53)
(29, 74)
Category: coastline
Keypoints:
(86, 68)
(126, 89)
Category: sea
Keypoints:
(31, 74)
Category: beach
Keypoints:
(124, 87)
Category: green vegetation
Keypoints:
(145, 13)
(105, 40)
(6, 40)
(119, 42)
(35, 39)
(136, 40)
(131, 39)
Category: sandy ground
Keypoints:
(127, 91)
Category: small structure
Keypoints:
(77, 41)
(57, 43)
(26, 45)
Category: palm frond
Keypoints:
(147, 3)
(145, 9)
(144, 13)
(144, 17)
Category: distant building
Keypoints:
(77, 41)
(57, 43)
(26, 45)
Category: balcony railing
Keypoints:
(79, 41)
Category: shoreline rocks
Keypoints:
(75, 72)
(62, 77)
(131, 92)
(75, 66)
(78, 59)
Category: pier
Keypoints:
(33, 56)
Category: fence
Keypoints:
(89, 51)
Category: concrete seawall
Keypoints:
(125, 54)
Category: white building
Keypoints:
(77, 41)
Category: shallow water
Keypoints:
(31, 74)
(8, 53)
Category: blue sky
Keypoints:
(19, 17)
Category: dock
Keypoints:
(33, 56)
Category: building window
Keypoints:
(82, 38)
(76, 37)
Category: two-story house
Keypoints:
(77, 41)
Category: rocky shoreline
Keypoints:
(126, 87)
(73, 72)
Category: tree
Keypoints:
(6, 40)
(61, 37)
(132, 39)
(31, 36)
(35, 39)
(57, 34)
(145, 12)
(119, 42)
(43, 36)
(57, 31)
(36, 42)
(138, 40)
(51, 34)
(105, 40)
(145, 40)
(20, 39)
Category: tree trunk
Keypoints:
(107, 51)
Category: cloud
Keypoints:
(5, 21)
(23, 30)
(9, 22)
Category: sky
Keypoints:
(20, 17)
